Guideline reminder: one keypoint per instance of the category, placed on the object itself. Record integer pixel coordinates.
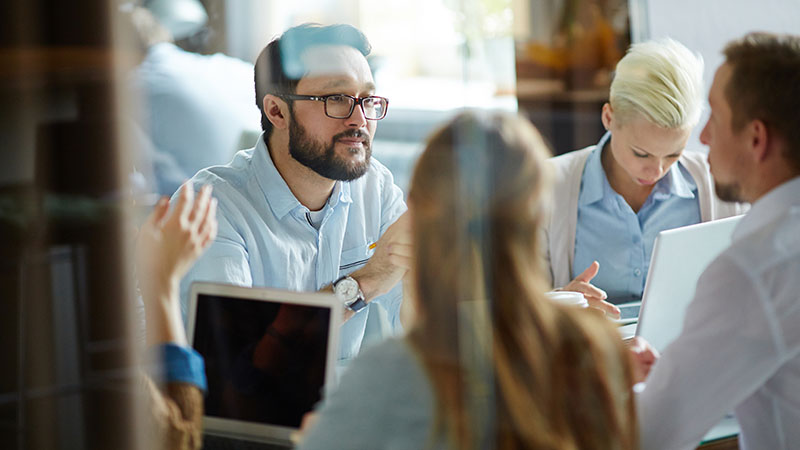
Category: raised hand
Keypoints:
(167, 246)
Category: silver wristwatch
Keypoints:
(347, 290)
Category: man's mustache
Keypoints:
(353, 134)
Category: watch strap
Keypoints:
(358, 304)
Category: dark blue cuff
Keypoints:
(183, 365)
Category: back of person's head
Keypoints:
(765, 85)
(661, 80)
(547, 376)
(279, 66)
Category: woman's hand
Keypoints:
(595, 296)
(167, 246)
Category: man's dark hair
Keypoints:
(279, 68)
(765, 85)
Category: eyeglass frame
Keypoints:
(324, 98)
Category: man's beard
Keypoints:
(324, 161)
(730, 192)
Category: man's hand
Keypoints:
(642, 357)
(595, 296)
(390, 262)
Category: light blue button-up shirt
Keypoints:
(619, 239)
(266, 237)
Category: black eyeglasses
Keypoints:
(341, 106)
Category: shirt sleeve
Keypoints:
(183, 365)
(725, 352)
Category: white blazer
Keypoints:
(559, 228)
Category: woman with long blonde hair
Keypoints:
(489, 361)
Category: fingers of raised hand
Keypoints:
(185, 202)
(208, 227)
(199, 210)
(159, 212)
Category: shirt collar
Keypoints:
(594, 185)
(770, 206)
(277, 192)
(675, 183)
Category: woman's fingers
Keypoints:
(586, 289)
(604, 306)
(208, 227)
(156, 216)
(200, 208)
(185, 201)
(589, 273)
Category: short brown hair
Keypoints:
(765, 85)
(278, 68)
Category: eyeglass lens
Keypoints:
(340, 106)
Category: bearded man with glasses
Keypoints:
(308, 208)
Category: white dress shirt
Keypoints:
(740, 344)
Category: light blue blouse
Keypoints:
(619, 239)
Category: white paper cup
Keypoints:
(568, 298)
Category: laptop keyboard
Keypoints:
(211, 442)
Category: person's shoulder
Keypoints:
(226, 178)
(388, 356)
(378, 171)
(571, 160)
(770, 247)
(393, 368)
(392, 359)
(694, 160)
(568, 167)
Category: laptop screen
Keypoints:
(266, 359)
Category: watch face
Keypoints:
(347, 289)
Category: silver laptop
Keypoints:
(269, 354)
(680, 256)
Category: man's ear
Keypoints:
(759, 140)
(277, 111)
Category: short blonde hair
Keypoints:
(662, 80)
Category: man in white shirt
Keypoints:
(307, 208)
(740, 344)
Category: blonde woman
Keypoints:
(613, 198)
(489, 362)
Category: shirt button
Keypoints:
(637, 272)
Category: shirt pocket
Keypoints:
(355, 258)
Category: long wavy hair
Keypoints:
(510, 369)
